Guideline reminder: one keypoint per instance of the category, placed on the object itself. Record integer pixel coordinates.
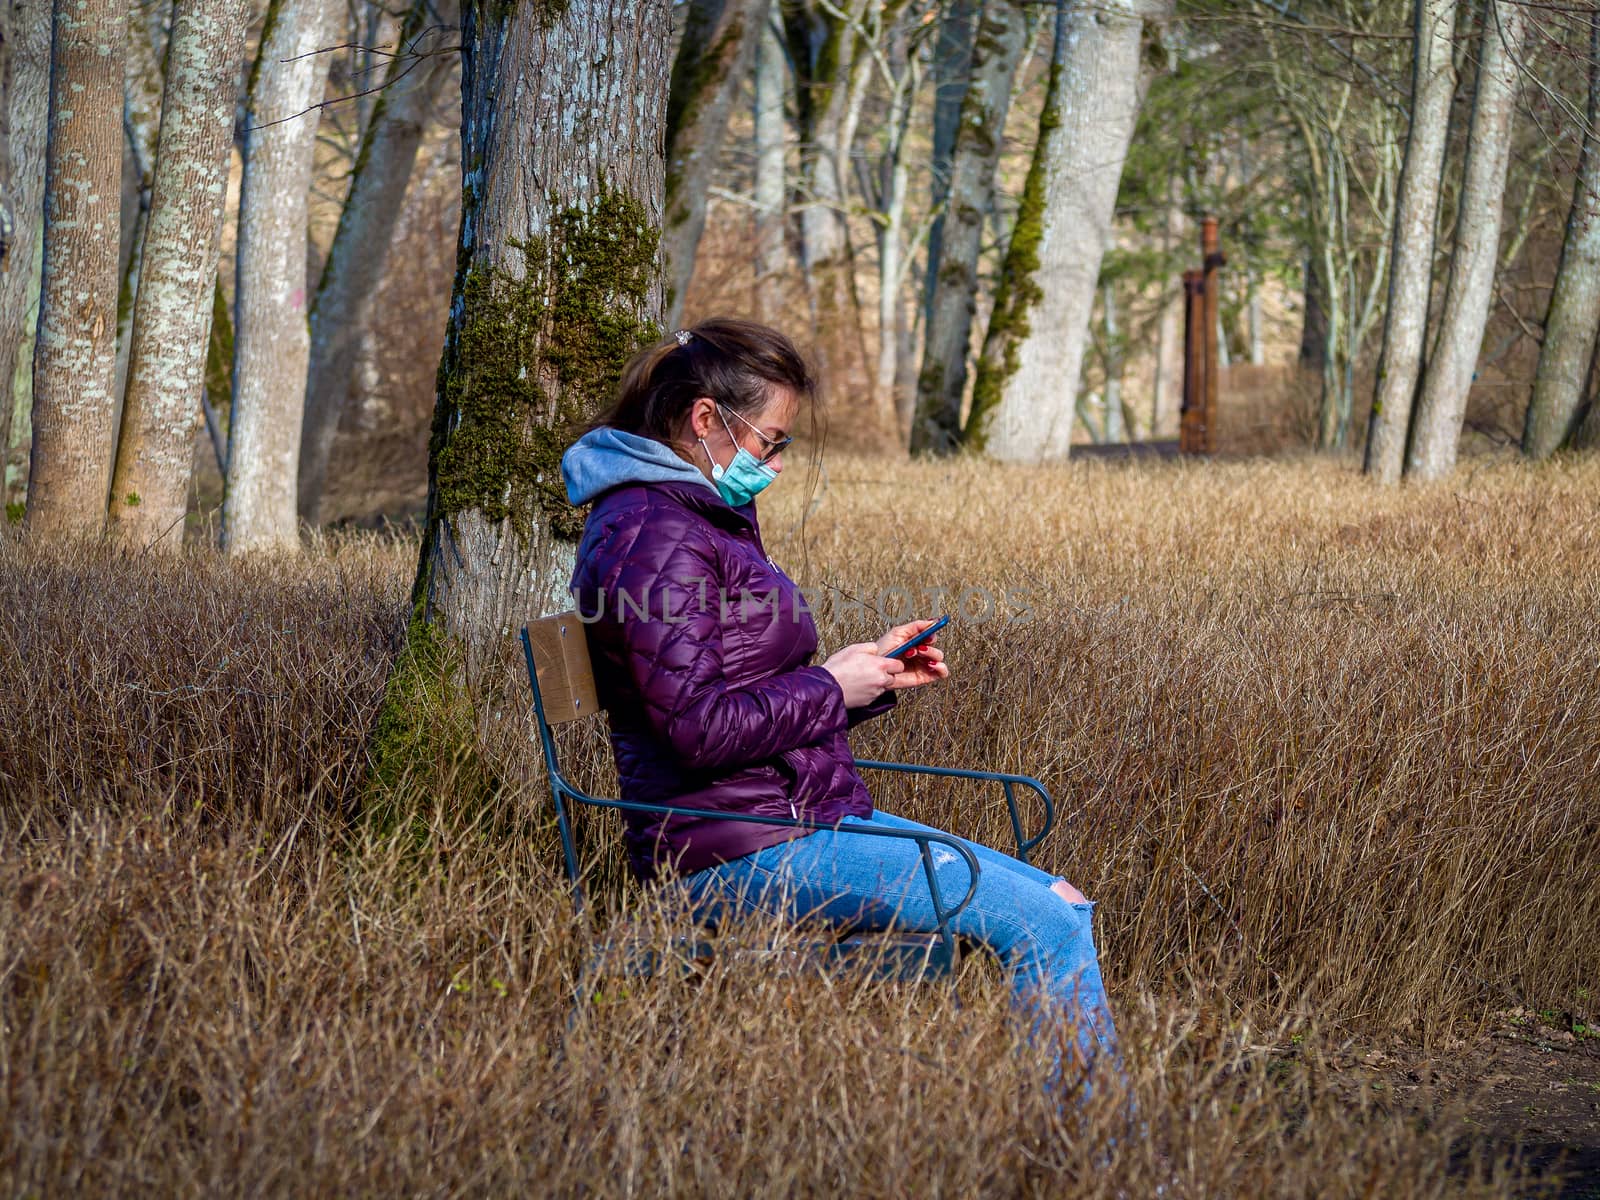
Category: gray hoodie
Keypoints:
(605, 457)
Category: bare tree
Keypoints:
(714, 58)
(1405, 324)
(771, 183)
(831, 47)
(1024, 399)
(1574, 318)
(26, 108)
(361, 244)
(75, 358)
(141, 118)
(558, 283)
(172, 309)
(271, 344)
(1448, 377)
(952, 68)
(953, 268)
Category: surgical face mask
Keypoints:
(744, 477)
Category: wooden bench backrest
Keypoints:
(561, 659)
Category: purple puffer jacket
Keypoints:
(702, 649)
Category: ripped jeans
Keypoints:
(1043, 941)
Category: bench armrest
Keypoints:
(1007, 783)
(925, 843)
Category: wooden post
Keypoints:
(1191, 431)
(1212, 259)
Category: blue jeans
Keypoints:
(1044, 941)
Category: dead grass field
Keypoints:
(1327, 756)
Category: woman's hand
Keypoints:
(863, 673)
(923, 665)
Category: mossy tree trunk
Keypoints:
(715, 55)
(558, 283)
(172, 309)
(1024, 400)
(953, 267)
(26, 105)
(75, 358)
(271, 343)
(1570, 328)
(1448, 378)
(1405, 323)
(360, 251)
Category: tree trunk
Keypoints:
(953, 272)
(1023, 403)
(271, 343)
(1405, 323)
(141, 117)
(361, 244)
(952, 71)
(772, 185)
(558, 284)
(714, 57)
(172, 310)
(1574, 319)
(832, 88)
(75, 359)
(1448, 378)
(26, 105)
(1114, 426)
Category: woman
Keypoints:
(703, 649)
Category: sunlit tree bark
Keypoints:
(271, 343)
(1024, 403)
(771, 184)
(1405, 323)
(1448, 377)
(75, 357)
(171, 321)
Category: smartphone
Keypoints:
(920, 638)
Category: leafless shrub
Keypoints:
(1325, 755)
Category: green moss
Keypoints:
(15, 512)
(1019, 291)
(424, 743)
(532, 359)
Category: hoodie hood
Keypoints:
(605, 458)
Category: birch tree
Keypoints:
(1433, 85)
(361, 244)
(953, 270)
(1448, 377)
(271, 343)
(1024, 400)
(75, 356)
(26, 107)
(1574, 319)
(171, 324)
(714, 57)
(558, 283)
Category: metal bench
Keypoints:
(559, 672)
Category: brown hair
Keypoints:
(734, 362)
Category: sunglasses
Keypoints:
(775, 446)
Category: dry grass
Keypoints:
(1325, 755)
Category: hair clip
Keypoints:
(683, 336)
